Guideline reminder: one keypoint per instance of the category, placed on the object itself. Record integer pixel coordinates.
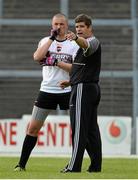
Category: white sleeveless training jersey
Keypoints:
(52, 75)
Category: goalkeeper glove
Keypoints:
(48, 60)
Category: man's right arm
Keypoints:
(41, 51)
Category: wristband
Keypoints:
(76, 38)
(57, 61)
(52, 38)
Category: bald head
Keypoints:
(60, 21)
(60, 16)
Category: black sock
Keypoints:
(28, 145)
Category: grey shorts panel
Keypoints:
(40, 113)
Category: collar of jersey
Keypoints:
(61, 40)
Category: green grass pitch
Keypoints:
(49, 168)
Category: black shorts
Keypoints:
(51, 100)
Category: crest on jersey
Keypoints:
(59, 47)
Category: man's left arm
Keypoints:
(65, 66)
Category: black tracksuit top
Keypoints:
(86, 69)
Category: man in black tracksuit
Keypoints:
(85, 97)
